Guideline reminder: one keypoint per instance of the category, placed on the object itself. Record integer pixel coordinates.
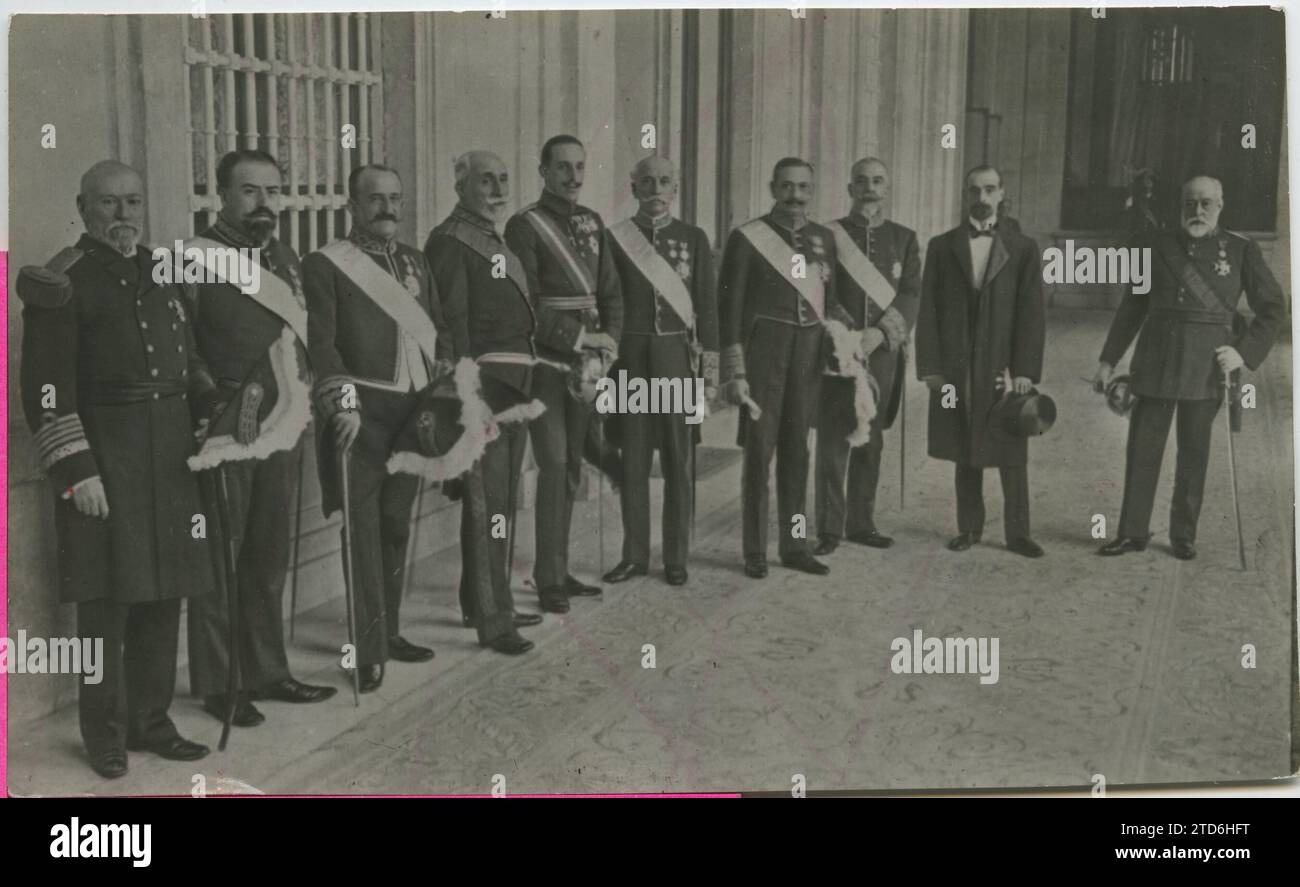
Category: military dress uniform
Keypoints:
(657, 343)
(1190, 310)
(354, 341)
(574, 288)
(893, 250)
(111, 383)
(490, 319)
(234, 333)
(774, 338)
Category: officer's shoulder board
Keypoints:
(48, 286)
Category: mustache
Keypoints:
(261, 214)
(385, 217)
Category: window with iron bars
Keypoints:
(285, 84)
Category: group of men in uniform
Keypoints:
(155, 405)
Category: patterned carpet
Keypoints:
(1129, 667)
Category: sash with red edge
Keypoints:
(780, 256)
(655, 269)
(558, 245)
(272, 406)
(489, 249)
(387, 292)
(273, 293)
(860, 267)
(1191, 278)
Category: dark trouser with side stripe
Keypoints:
(648, 357)
(261, 497)
(1148, 432)
(138, 672)
(1015, 499)
(835, 460)
(558, 436)
(485, 594)
(785, 372)
(381, 515)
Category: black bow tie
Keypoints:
(976, 232)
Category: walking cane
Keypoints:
(512, 490)
(297, 527)
(600, 497)
(1232, 468)
(347, 571)
(902, 434)
(413, 529)
(232, 604)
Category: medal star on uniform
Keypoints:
(177, 308)
(1222, 268)
(897, 270)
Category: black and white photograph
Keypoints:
(783, 401)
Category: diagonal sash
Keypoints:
(273, 293)
(488, 248)
(386, 292)
(655, 269)
(860, 267)
(1191, 278)
(558, 245)
(780, 255)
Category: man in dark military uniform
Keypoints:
(110, 378)
(775, 290)
(237, 335)
(670, 330)
(575, 291)
(981, 330)
(374, 324)
(1191, 336)
(489, 318)
(878, 281)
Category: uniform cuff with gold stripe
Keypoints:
(330, 393)
(732, 363)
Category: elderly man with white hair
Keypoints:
(670, 331)
(485, 301)
(1192, 337)
(112, 386)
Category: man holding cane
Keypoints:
(1192, 338)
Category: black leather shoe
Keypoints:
(109, 764)
(402, 650)
(174, 749)
(370, 678)
(1025, 546)
(1183, 550)
(805, 563)
(826, 545)
(963, 541)
(756, 567)
(511, 644)
(290, 690)
(623, 572)
(574, 588)
(554, 600)
(1122, 545)
(871, 539)
(246, 714)
(675, 575)
(521, 620)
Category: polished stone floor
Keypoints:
(1130, 668)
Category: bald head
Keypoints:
(869, 185)
(111, 204)
(483, 184)
(654, 184)
(1202, 202)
